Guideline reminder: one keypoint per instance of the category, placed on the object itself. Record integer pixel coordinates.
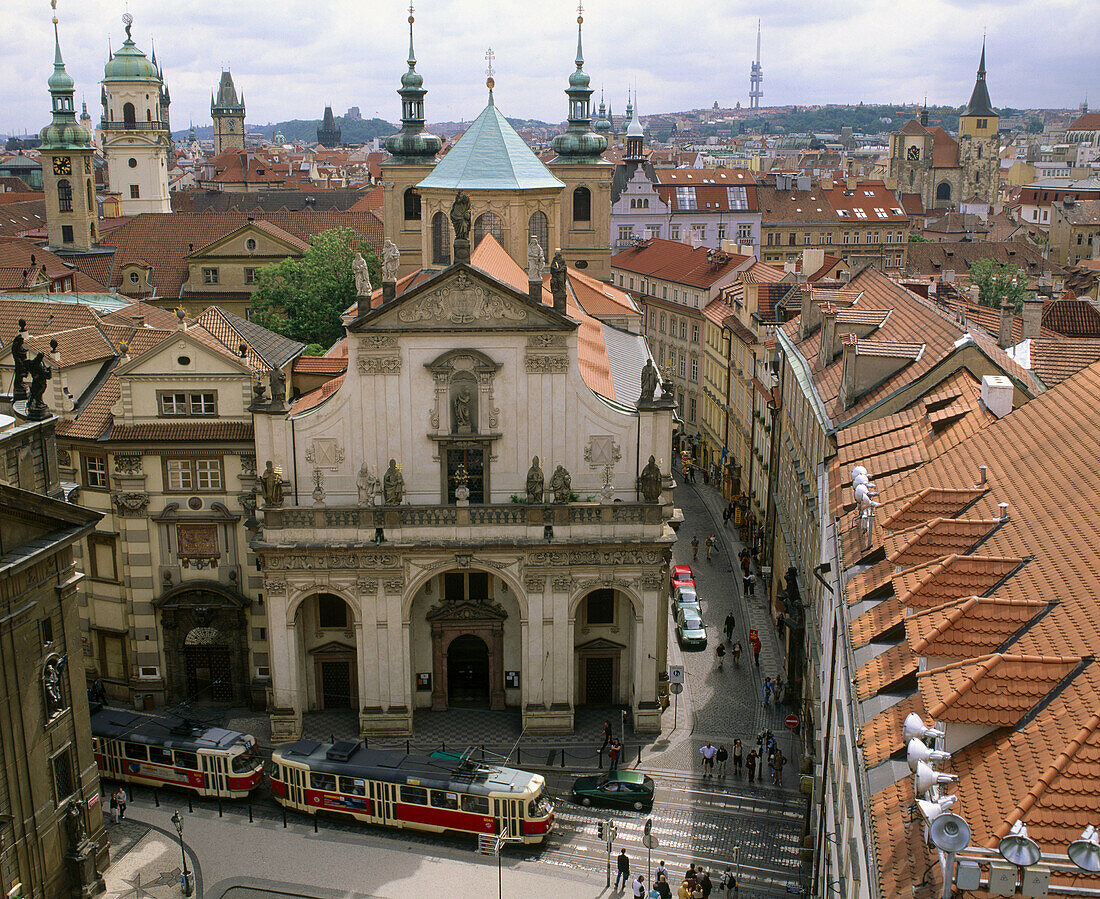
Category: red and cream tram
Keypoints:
(437, 792)
(164, 751)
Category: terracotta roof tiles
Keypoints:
(76, 346)
(969, 626)
(886, 672)
(320, 365)
(672, 260)
(1072, 317)
(315, 397)
(936, 538)
(1054, 360)
(931, 502)
(184, 430)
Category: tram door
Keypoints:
(214, 772)
(295, 782)
(509, 819)
(381, 801)
(112, 756)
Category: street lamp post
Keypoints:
(177, 820)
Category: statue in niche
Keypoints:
(561, 485)
(51, 686)
(536, 484)
(651, 482)
(393, 485)
(74, 824)
(461, 405)
(460, 216)
(271, 482)
(367, 485)
(361, 271)
(536, 259)
(649, 381)
(391, 260)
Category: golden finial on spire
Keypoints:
(410, 13)
(53, 6)
(489, 57)
(580, 13)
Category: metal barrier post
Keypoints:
(315, 822)
(249, 809)
(190, 808)
(284, 815)
(156, 799)
(563, 756)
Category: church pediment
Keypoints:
(467, 610)
(333, 647)
(462, 298)
(599, 645)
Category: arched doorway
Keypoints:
(332, 673)
(208, 664)
(943, 192)
(604, 636)
(468, 671)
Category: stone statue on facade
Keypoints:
(393, 485)
(557, 274)
(51, 688)
(19, 359)
(367, 485)
(460, 216)
(561, 485)
(361, 271)
(391, 261)
(461, 405)
(651, 482)
(650, 379)
(40, 371)
(536, 259)
(536, 483)
(74, 825)
(271, 482)
(276, 379)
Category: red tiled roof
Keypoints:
(1072, 317)
(672, 260)
(315, 397)
(184, 430)
(945, 149)
(1054, 360)
(320, 365)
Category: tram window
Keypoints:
(323, 782)
(352, 786)
(441, 799)
(477, 804)
(137, 751)
(242, 763)
(415, 795)
(186, 759)
(160, 755)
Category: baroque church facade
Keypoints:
(945, 170)
(480, 512)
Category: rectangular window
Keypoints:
(326, 782)
(691, 409)
(66, 233)
(209, 276)
(683, 365)
(184, 404)
(806, 239)
(673, 232)
(95, 471)
(137, 751)
(695, 370)
(653, 232)
(744, 233)
(353, 786)
(45, 631)
(685, 198)
(721, 231)
(694, 333)
(663, 323)
(186, 759)
(414, 795)
(738, 198)
(847, 237)
(600, 607)
(250, 275)
(443, 799)
(791, 239)
(160, 755)
(102, 565)
(699, 232)
(194, 474)
(827, 239)
(626, 232)
(332, 612)
(479, 805)
(683, 328)
(64, 782)
(135, 192)
(860, 214)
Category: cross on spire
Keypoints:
(489, 57)
(580, 8)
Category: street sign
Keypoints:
(791, 721)
(675, 688)
(649, 841)
(648, 826)
(676, 674)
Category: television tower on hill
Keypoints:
(756, 75)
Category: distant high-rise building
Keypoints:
(328, 134)
(227, 111)
(756, 75)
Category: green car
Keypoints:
(619, 789)
(690, 630)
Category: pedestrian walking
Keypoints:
(660, 871)
(624, 869)
(114, 808)
(99, 692)
(613, 754)
(744, 558)
(729, 883)
(708, 752)
(767, 689)
(779, 762)
(694, 547)
(737, 654)
(750, 581)
(778, 689)
(750, 764)
(704, 884)
(638, 886)
(606, 736)
(711, 541)
(728, 627)
(720, 652)
(722, 756)
(756, 653)
(690, 874)
(745, 585)
(738, 757)
(120, 798)
(663, 889)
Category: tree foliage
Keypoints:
(304, 298)
(997, 283)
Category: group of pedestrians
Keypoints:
(613, 746)
(696, 883)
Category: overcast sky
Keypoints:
(291, 57)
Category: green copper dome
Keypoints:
(579, 143)
(412, 144)
(63, 133)
(130, 64)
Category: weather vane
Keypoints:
(128, 21)
(489, 57)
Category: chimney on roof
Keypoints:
(1003, 509)
(1033, 316)
(827, 349)
(851, 182)
(811, 314)
(1004, 336)
(849, 348)
(997, 394)
(812, 260)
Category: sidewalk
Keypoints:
(238, 860)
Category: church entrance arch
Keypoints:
(205, 643)
(327, 624)
(604, 636)
(468, 671)
(943, 192)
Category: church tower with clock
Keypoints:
(67, 175)
(228, 115)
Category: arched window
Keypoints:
(91, 231)
(91, 197)
(488, 223)
(128, 115)
(412, 205)
(582, 205)
(148, 115)
(64, 196)
(441, 240)
(943, 191)
(979, 151)
(540, 227)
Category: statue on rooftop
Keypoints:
(536, 259)
(651, 482)
(561, 485)
(271, 482)
(460, 216)
(391, 261)
(649, 382)
(361, 271)
(19, 357)
(40, 372)
(536, 484)
(393, 485)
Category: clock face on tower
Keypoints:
(230, 125)
(913, 154)
(62, 165)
